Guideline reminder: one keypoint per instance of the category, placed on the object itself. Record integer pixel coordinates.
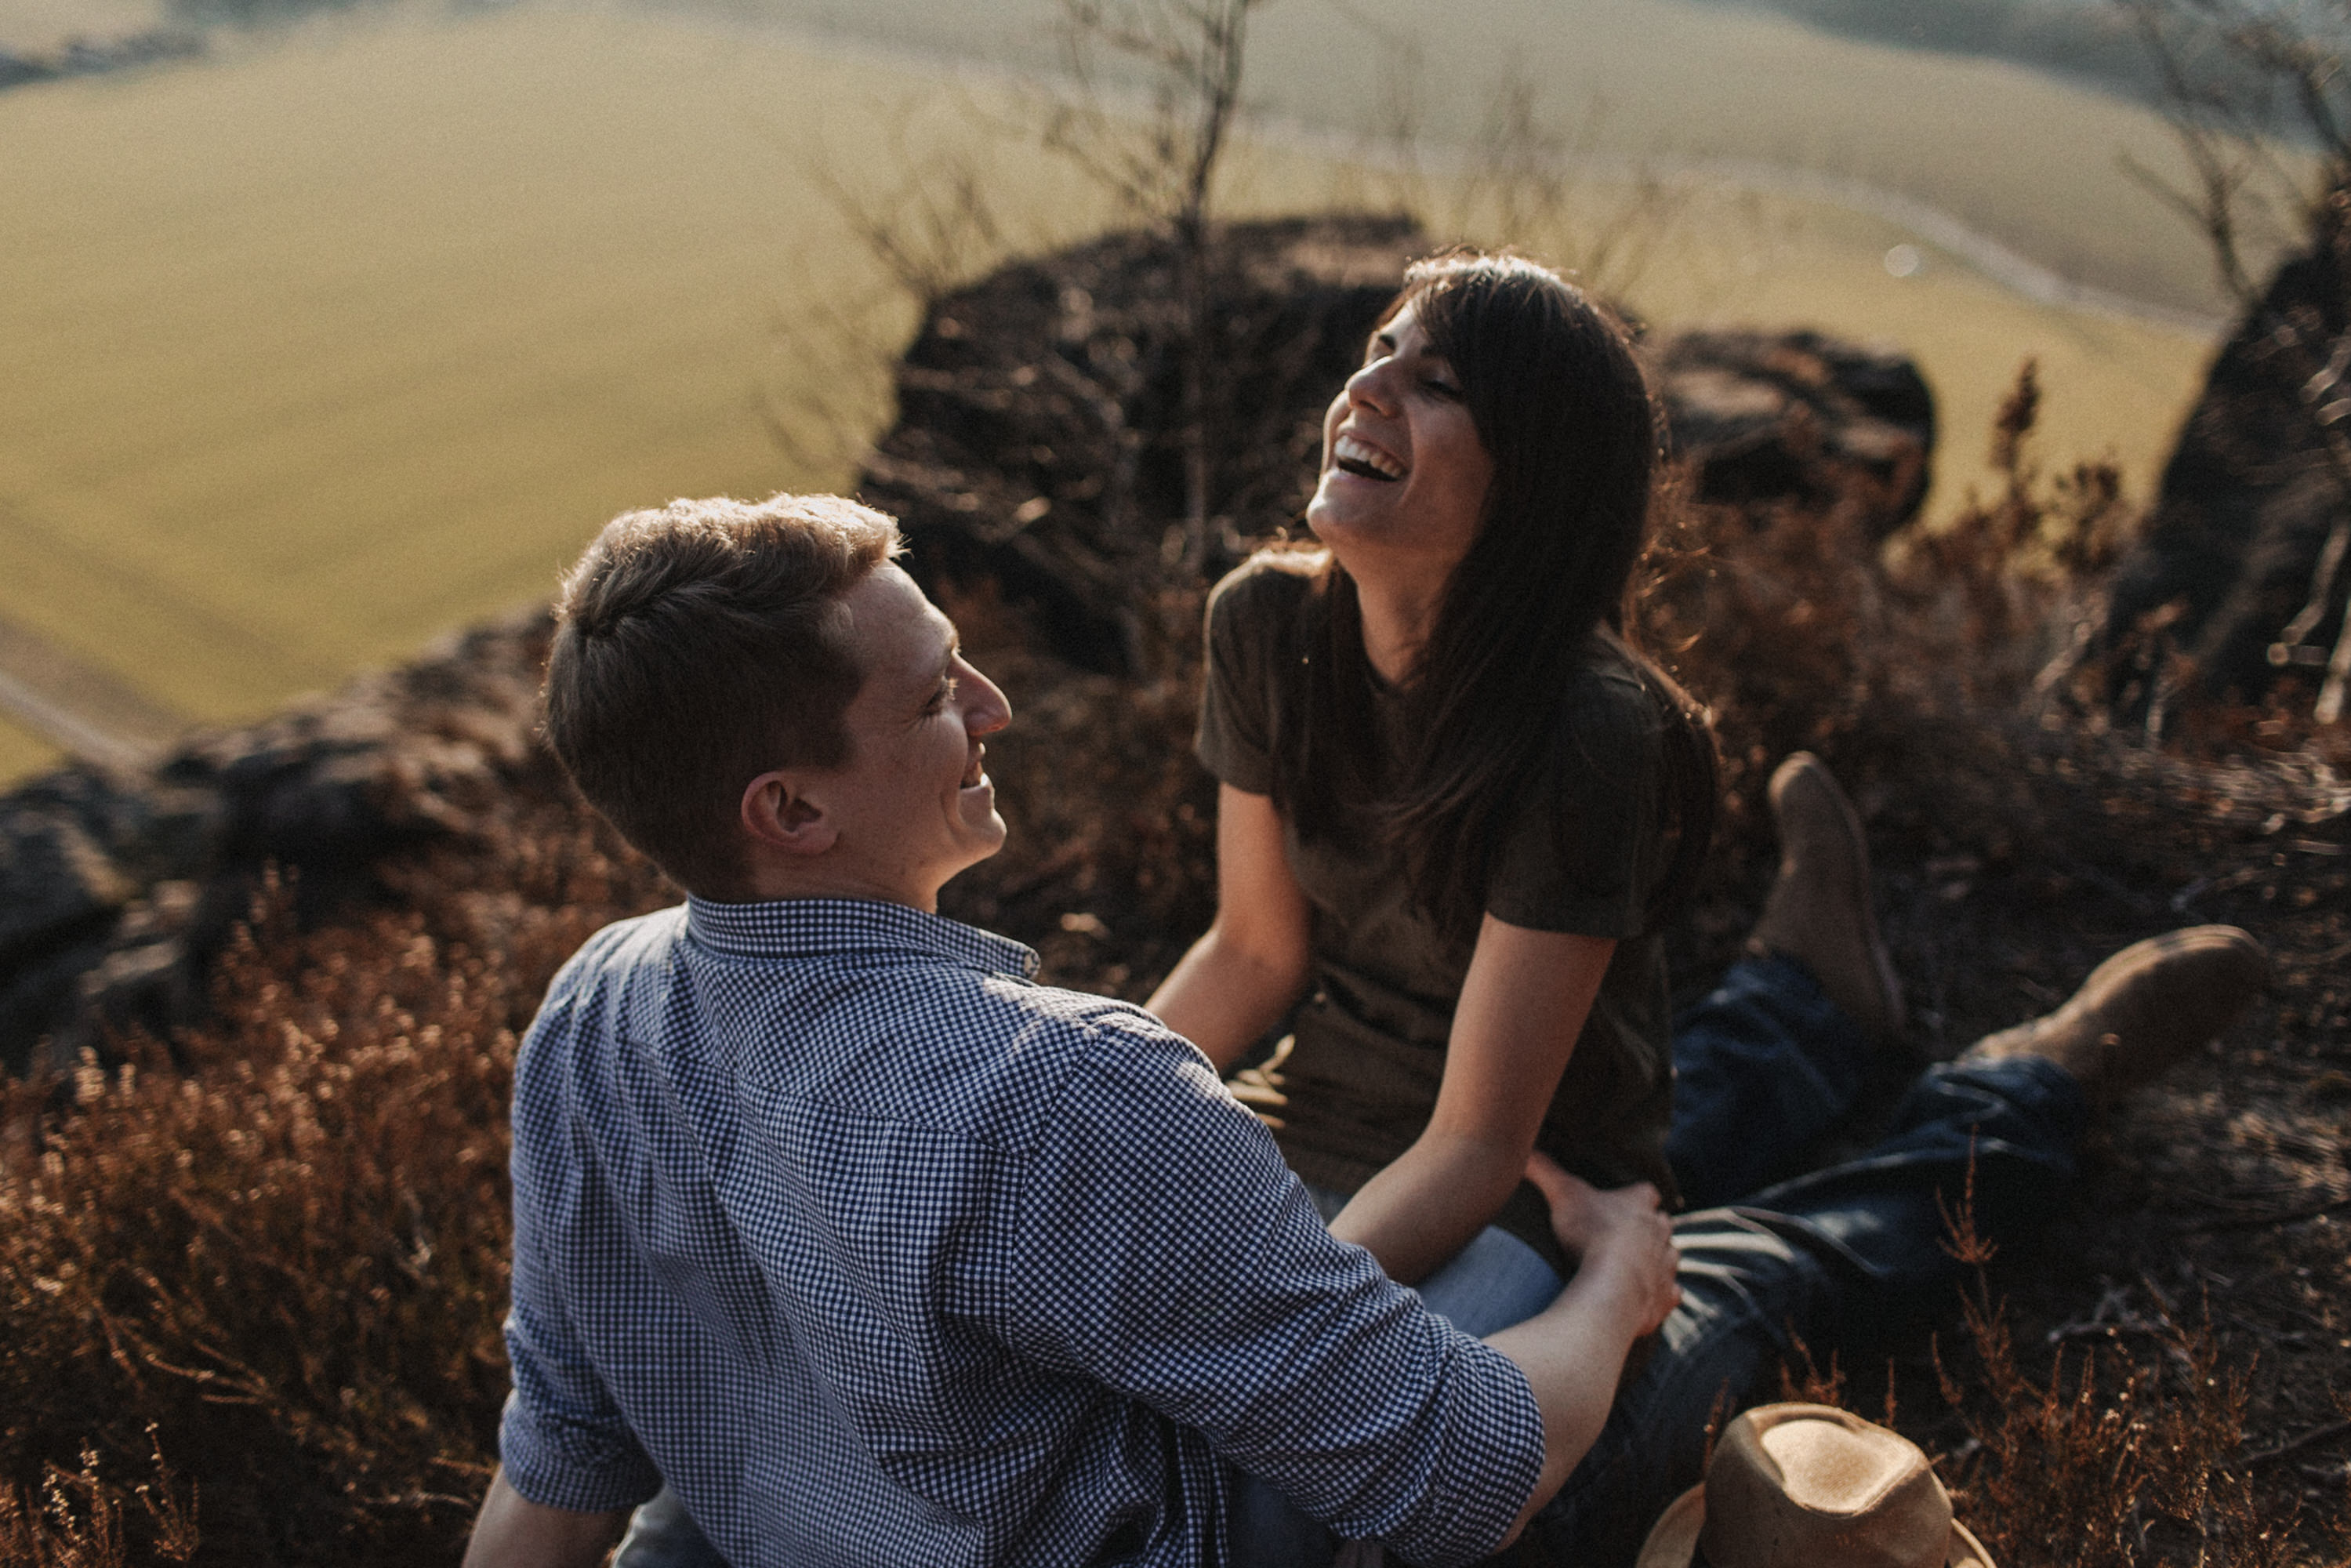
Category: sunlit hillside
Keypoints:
(43, 24)
(333, 343)
(2034, 160)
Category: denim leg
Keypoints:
(1491, 1283)
(1494, 1282)
(1749, 1279)
(1819, 1258)
(1762, 1066)
(2012, 1123)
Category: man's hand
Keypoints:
(1573, 1352)
(515, 1533)
(1624, 1234)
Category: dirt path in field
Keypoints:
(87, 711)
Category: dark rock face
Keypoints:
(2246, 504)
(1796, 416)
(116, 889)
(1037, 448)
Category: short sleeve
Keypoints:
(1583, 853)
(1167, 1253)
(1248, 618)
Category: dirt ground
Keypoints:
(2221, 1196)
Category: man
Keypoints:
(875, 1251)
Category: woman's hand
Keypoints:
(1623, 1233)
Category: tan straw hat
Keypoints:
(1804, 1485)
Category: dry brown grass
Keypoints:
(270, 1284)
(2104, 1461)
(2095, 1458)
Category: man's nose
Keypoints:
(989, 709)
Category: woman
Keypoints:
(1456, 800)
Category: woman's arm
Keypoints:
(1523, 1007)
(1244, 974)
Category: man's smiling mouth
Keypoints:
(1365, 461)
(975, 772)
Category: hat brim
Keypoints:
(1674, 1542)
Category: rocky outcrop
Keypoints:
(1798, 417)
(1038, 450)
(2231, 552)
(1035, 458)
(1037, 453)
(117, 887)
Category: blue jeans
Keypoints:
(1828, 1257)
(1762, 1066)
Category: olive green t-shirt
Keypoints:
(1582, 855)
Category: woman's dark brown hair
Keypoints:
(1563, 410)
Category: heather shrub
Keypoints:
(1800, 632)
(265, 1286)
(2106, 1459)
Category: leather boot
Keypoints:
(1819, 911)
(2142, 1010)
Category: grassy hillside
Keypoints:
(320, 348)
(42, 24)
(321, 351)
(2031, 159)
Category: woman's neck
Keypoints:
(1398, 615)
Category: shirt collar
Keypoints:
(801, 927)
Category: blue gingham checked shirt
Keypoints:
(882, 1253)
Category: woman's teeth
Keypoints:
(1365, 462)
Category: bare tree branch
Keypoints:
(1191, 54)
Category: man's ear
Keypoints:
(779, 812)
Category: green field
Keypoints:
(324, 347)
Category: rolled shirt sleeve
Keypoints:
(1198, 1280)
(563, 1441)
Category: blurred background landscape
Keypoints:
(353, 326)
